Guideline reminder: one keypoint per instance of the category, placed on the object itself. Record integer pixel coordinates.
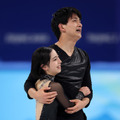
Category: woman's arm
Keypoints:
(61, 96)
(42, 96)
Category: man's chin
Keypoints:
(79, 37)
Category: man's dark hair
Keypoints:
(61, 16)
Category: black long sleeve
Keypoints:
(29, 83)
(87, 81)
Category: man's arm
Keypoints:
(81, 100)
(79, 104)
(29, 83)
(40, 95)
(87, 82)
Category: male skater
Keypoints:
(75, 73)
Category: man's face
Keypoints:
(74, 27)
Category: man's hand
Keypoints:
(86, 91)
(79, 104)
(75, 108)
(45, 97)
(42, 96)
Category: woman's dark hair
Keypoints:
(41, 56)
(62, 16)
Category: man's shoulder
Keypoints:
(55, 47)
(81, 51)
(52, 46)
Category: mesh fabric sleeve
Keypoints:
(61, 97)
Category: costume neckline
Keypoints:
(50, 77)
(64, 51)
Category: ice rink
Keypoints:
(15, 105)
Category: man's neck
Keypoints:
(66, 45)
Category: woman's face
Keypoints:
(54, 66)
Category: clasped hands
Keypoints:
(48, 98)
